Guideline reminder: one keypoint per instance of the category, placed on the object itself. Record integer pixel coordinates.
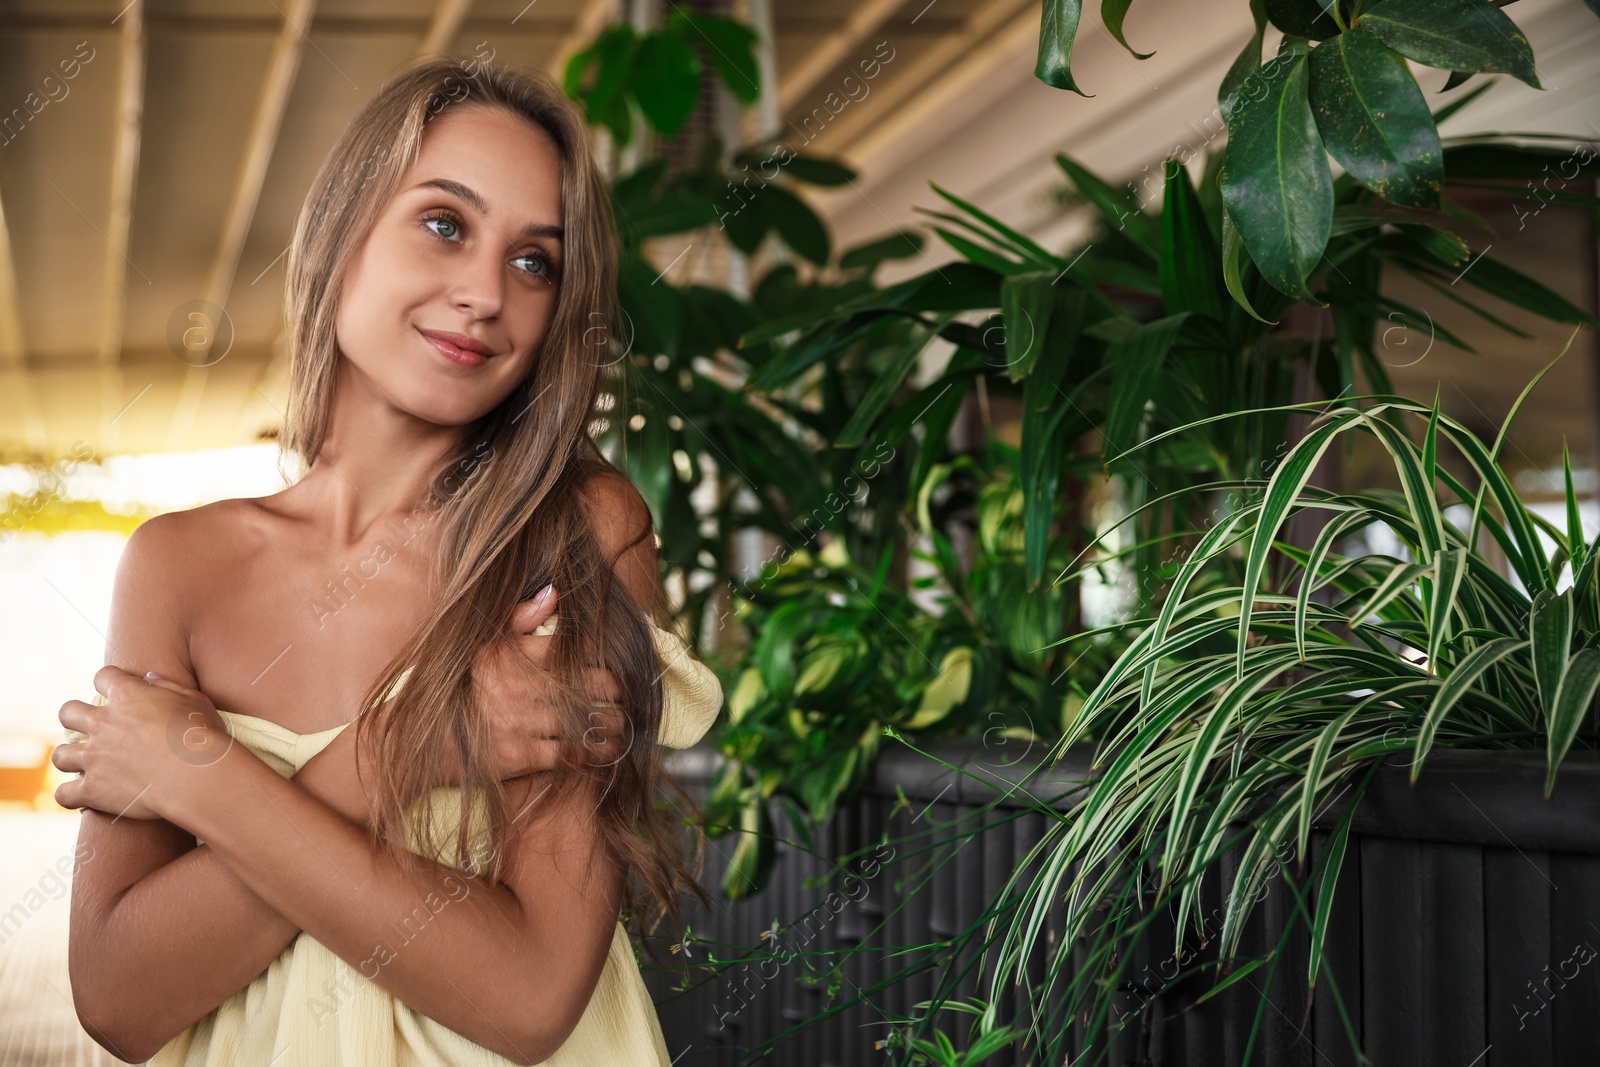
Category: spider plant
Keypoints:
(1241, 709)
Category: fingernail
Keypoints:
(151, 674)
(538, 598)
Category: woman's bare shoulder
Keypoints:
(175, 561)
(179, 542)
(169, 562)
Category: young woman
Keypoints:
(436, 879)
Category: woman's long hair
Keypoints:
(505, 500)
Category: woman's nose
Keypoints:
(478, 284)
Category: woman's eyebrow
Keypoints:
(470, 195)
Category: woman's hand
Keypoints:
(512, 685)
(144, 747)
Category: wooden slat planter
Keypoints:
(1465, 930)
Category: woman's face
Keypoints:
(469, 245)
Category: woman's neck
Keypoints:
(374, 466)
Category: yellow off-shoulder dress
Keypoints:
(310, 1008)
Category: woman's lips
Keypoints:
(454, 354)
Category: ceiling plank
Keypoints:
(944, 71)
(20, 385)
(258, 410)
(119, 229)
(443, 27)
(832, 50)
(287, 51)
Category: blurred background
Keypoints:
(153, 157)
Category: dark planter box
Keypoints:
(1465, 928)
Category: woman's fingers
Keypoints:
(69, 794)
(537, 744)
(68, 757)
(531, 614)
(77, 715)
(607, 738)
(111, 675)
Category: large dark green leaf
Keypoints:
(645, 210)
(1057, 28)
(898, 245)
(1190, 266)
(731, 47)
(1135, 365)
(1374, 121)
(797, 224)
(954, 287)
(815, 170)
(1470, 35)
(1246, 64)
(666, 81)
(1112, 12)
(746, 222)
(612, 55)
(1303, 18)
(650, 461)
(1233, 268)
(654, 308)
(1276, 185)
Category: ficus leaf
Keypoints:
(1374, 120)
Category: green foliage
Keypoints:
(657, 74)
(839, 654)
(984, 1041)
(1351, 95)
(1244, 707)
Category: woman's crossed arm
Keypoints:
(148, 917)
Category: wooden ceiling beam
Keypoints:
(443, 27)
(944, 71)
(119, 228)
(287, 51)
(833, 49)
(19, 382)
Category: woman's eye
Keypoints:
(541, 264)
(443, 220)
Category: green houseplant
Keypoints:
(840, 655)
(1340, 85)
(1242, 708)
(1050, 335)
